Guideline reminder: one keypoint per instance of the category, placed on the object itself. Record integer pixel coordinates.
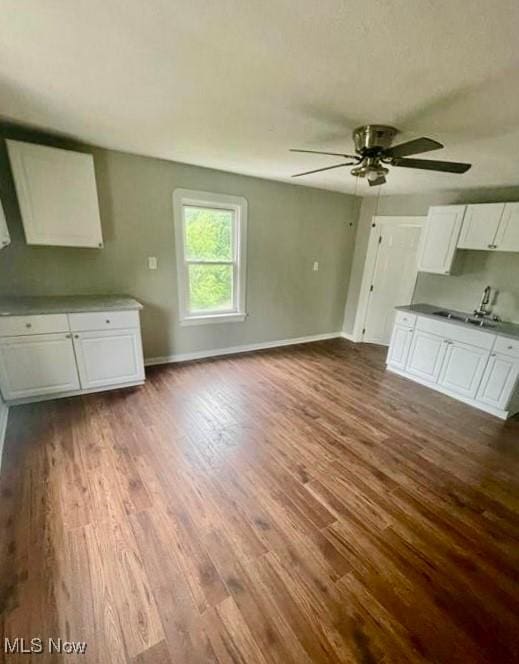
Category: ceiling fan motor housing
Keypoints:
(370, 140)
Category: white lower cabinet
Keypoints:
(399, 345)
(499, 380)
(458, 360)
(463, 368)
(426, 355)
(108, 357)
(37, 365)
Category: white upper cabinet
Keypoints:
(480, 226)
(57, 195)
(4, 233)
(440, 237)
(507, 236)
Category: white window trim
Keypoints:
(238, 205)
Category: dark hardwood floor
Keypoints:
(294, 505)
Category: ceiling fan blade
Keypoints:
(416, 146)
(432, 165)
(333, 154)
(380, 180)
(327, 168)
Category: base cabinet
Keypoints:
(37, 365)
(499, 380)
(426, 356)
(399, 346)
(42, 355)
(463, 368)
(108, 357)
(478, 367)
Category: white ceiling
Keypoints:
(233, 84)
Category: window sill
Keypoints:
(214, 318)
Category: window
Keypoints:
(210, 236)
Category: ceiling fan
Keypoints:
(373, 148)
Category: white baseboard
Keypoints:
(348, 336)
(4, 412)
(232, 350)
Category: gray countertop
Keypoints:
(65, 304)
(503, 329)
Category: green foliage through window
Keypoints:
(208, 234)
(210, 287)
(209, 237)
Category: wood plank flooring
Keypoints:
(295, 505)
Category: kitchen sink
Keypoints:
(450, 315)
(477, 322)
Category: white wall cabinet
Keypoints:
(57, 195)
(108, 357)
(75, 358)
(476, 366)
(440, 237)
(5, 239)
(38, 364)
(499, 380)
(507, 236)
(480, 225)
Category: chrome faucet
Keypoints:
(482, 311)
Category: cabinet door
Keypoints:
(109, 357)
(37, 365)
(480, 225)
(4, 233)
(399, 346)
(426, 355)
(507, 238)
(463, 368)
(57, 195)
(499, 380)
(440, 237)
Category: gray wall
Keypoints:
(473, 270)
(289, 227)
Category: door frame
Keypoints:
(370, 262)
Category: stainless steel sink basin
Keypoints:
(477, 322)
(450, 315)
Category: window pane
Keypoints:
(210, 288)
(208, 233)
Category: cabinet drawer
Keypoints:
(461, 333)
(104, 320)
(405, 319)
(507, 346)
(13, 326)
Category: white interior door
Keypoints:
(393, 276)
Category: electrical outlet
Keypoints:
(316, 266)
(152, 263)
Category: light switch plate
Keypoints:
(152, 263)
(316, 266)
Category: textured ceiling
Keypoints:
(233, 84)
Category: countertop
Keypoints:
(503, 329)
(66, 304)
